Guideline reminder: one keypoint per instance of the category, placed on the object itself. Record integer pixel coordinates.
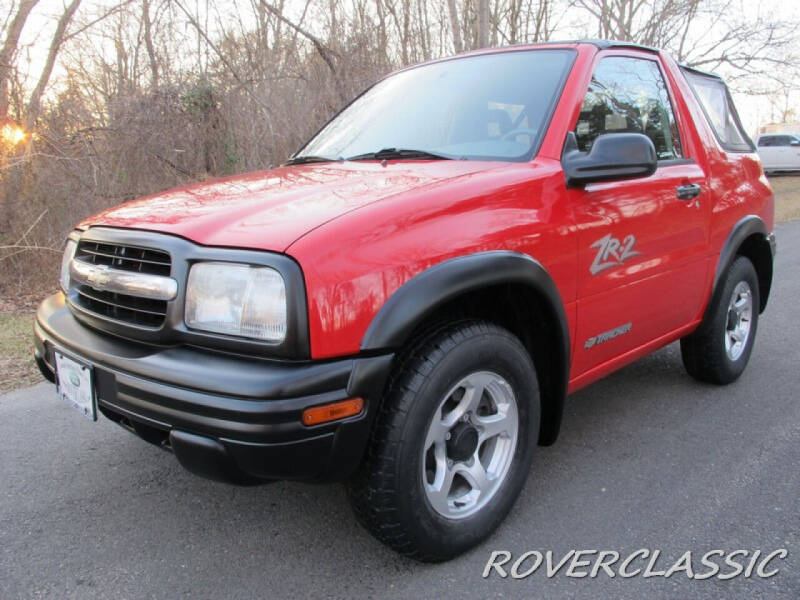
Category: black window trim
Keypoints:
(669, 162)
(676, 116)
(678, 160)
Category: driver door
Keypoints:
(641, 247)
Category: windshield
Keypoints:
(486, 107)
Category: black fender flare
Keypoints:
(743, 229)
(420, 296)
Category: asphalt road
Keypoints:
(647, 459)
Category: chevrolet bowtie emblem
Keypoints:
(98, 276)
(131, 283)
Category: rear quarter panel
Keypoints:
(736, 180)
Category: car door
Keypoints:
(780, 146)
(794, 152)
(789, 155)
(769, 152)
(642, 244)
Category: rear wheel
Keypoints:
(719, 350)
(453, 444)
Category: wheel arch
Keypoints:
(748, 237)
(508, 288)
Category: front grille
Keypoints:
(125, 258)
(122, 307)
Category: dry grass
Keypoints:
(787, 197)
(17, 368)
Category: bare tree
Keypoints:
(34, 104)
(702, 33)
(9, 49)
(325, 52)
(148, 40)
(483, 23)
(455, 25)
(518, 21)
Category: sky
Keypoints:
(755, 111)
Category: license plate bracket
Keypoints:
(75, 384)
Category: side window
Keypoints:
(766, 140)
(629, 95)
(783, 140)
(720, 111)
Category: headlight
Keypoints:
(69, 252)
(236, 300)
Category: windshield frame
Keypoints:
(546, 121)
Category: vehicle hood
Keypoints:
(269, 210)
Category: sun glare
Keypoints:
(12, 134)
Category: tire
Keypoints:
(719, 350)
(406, 493)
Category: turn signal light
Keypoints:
(332, 412)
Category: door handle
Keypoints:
(688, 192)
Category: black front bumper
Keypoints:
(227, 417)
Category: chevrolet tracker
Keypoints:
(405, 304)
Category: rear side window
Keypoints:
(629, 95)
(777, 140)
(718, 106)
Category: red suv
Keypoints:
(406, 303)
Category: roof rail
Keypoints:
(605, 44)
(699, 72)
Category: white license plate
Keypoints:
(75, 385)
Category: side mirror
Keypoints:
(613, 156)
(794, 143)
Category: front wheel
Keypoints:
(453, 443)
(719, 350)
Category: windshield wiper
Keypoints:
(388, 153)
(302, 160)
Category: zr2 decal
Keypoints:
(611, 252)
